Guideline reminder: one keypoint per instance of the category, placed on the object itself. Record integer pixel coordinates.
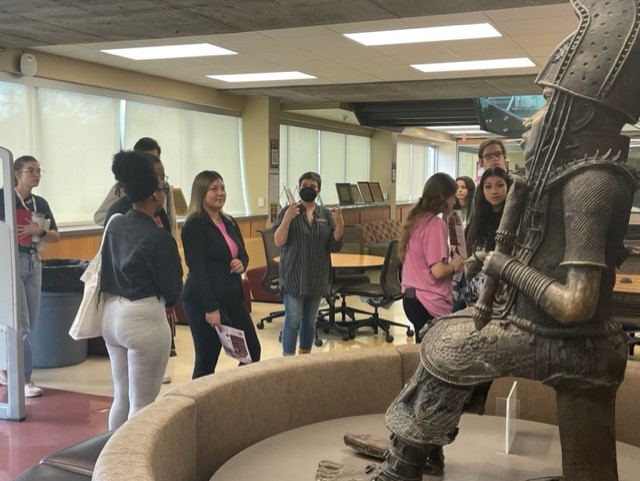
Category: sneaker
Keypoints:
(166, 379)
(3, 377)
(31, 390)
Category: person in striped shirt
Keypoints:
(306, 233)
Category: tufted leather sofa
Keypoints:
(195, 428)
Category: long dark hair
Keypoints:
(483, 220)
(438, 188)
(471, 188)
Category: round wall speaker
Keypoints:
(28, 64)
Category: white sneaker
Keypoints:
(166, 379)
(31, 390)
(3, 377)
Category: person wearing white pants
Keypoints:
(141, 275)
(138, 339)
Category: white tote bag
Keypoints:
(88, 320)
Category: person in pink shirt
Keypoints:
(428, 264)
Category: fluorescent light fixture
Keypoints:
(475, 65)
(262, 77)
(427, 34)
(170, 51)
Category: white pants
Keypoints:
(138, 339)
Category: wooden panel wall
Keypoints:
(85, 245)
(364, 215)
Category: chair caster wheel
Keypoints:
(388, 338)
(352, 335)
(318, 342)
(410, 333)
(260, 325)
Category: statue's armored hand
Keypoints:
(473, 265)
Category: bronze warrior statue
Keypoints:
(558, 245)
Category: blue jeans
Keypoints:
(29, 299)
(300, 314)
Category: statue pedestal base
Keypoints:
(474, 456)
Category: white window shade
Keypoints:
(336, 156)
(75, 138)
(14, 119)
(192, 142)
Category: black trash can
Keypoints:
(61, 295)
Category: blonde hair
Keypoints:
(199, 189)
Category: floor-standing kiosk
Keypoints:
(11, 346)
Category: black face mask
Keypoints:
(308, 194)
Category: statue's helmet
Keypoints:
(600, 61)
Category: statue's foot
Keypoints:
(367, 445)
(434, 464)
(330, 471)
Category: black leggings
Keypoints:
(205, 338)
(417, 315)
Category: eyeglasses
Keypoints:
(165, 188)
(492, 155)
(32, 171)
(163, 178)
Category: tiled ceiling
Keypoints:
(301, 35)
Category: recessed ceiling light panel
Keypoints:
(427, 34)
(170, 51)
(519, 62)
(262, 77)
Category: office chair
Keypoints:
(352, 242)
(269, 281)
(379, 295)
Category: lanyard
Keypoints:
(33, 200)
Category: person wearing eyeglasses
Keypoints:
(492, 153)
(141, 276)
(35, 226)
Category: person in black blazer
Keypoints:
(216, 257)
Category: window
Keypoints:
(75, 134)
(337, 157)
(415, 163)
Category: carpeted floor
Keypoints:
(54, 421)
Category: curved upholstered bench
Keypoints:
(188, 434)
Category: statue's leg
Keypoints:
(403, 462)
(586, 418)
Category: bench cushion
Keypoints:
(43, 472)
(81, 457)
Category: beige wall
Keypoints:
(383, 154)
(260, 123)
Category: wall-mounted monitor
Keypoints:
(344, 194)
(376, 191)
(355, 194)
(367, 196)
